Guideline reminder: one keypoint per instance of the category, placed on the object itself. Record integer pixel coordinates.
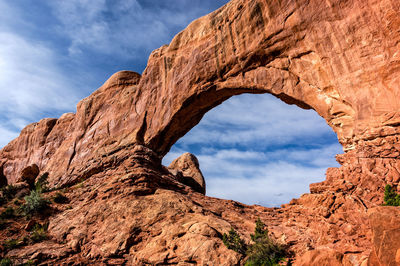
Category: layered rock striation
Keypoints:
(339, 58)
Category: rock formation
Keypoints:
(187, 171)
(386, 235)
(29, 174)
(338, 57)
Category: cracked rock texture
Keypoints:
(187, 170)
(338, 57)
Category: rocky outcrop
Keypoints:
(321, 257)
(29, 174)
(385, 225)
(187, 170)
(337, 57)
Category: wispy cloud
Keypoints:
(270, 185)
(31, 84)
(124, 27)
(6, 135)
(265, 178)
(257, 119)
(30, 80)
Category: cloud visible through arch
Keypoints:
(258, 150)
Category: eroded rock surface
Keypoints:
(29, 174)
(385, 225)
(339, 57)
(187, 170)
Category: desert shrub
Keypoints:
(60, 198)
(233, 241)
(34, 203)
(391, 198)
(39, 233)
(7, 213)
(6, 262)
(29, 263)
(265, 250)
(9, 191)
(41, 184)
(11, 244)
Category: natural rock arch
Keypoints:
(312, 54)
(337, 57)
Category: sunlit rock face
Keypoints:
(340, 58)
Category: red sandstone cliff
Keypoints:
(338, 57)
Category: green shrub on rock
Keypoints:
(34, 203)
(39, 233)
(41, 184)
(11, 244)
(233, 241)
(6, 262)
(391, 198)
(265, 251)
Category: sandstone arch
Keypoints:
(340, 58)
(285, 52)
(316, 55)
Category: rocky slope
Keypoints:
(338, 57)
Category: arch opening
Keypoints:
(256, 149)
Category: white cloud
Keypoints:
(267, 121)
(30, 80)
(6, 135)
(30, 84)
(120, 27)
(264, 178)
(124, 28)
(272, 184)
(33, 84)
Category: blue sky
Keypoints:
(252, 148)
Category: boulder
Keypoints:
(318, 257)
(385, 226)
(187, 169)
(29, 174)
